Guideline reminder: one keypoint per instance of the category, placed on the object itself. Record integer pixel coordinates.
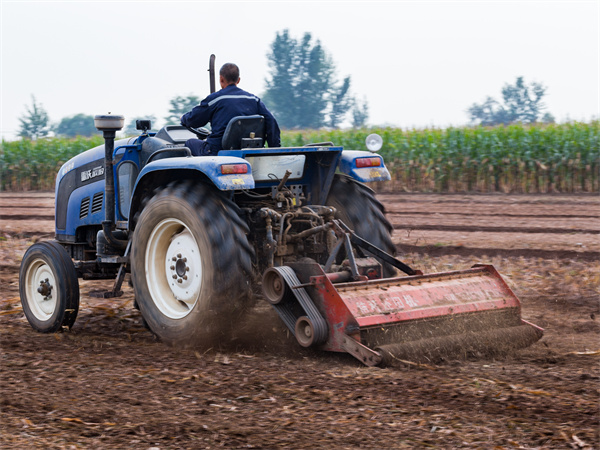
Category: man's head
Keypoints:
(229, 74)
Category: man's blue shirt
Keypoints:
(221, 106)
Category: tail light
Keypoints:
(228, 169)
(368, 162)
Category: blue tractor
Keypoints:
(199, 234)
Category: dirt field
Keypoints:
(108, 384)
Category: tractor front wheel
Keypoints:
(48, 287)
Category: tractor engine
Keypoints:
(281, 236)
(283, 228)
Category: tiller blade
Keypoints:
(418, 317)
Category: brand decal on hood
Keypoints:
(92, 173)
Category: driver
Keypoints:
(222, 106)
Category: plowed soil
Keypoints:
(108, 383)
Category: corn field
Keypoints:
(515, 158)
(32, 165)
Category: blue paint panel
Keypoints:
(87, 156)
(363, 174)
(74, 206)
(320, 165)
(78, 189)
(208, 165)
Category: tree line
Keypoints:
(304, 91)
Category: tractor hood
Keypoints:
(86, 161)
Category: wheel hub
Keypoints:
(40, 281)
(45, 289)
(179, 268)
(173, 268)
(183, 267)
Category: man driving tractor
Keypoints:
(220, 107)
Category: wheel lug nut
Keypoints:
(187, 269)
(184, 259)
(172, 267)
(174, 277)
(179, 255)
(180, 280)
(173, 259)
(185, 277)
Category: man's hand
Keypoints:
(201, 132)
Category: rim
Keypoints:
(173, 268)
(41, 305)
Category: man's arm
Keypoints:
(197, 117)
(271, 126)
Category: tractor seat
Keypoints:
(244, 132)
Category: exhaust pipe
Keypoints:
(211, 73)
(109, 125)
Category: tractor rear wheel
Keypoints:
(48, 287)
(191, 263)
(358, 208)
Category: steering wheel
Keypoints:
(201, 132)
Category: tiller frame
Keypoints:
(352, 309)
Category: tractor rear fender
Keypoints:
(363, 166)
(226, 173)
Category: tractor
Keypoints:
(200, 236)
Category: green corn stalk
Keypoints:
(514, 158)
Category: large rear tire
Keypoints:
(48, 287)
(191, 263)
(358, 208)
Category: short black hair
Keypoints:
(230, 72)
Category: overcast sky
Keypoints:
(417, 63)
